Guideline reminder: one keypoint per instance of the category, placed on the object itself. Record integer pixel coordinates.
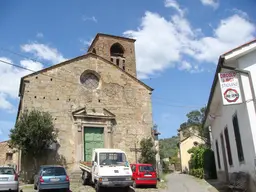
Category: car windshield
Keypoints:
(112, 158)
(145, 168)
(6, 171)
(53, 171)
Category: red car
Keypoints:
(144, 174)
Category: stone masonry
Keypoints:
(120, 103)
(8, 156)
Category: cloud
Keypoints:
(93, 18)
(175, 40)
(5, 127)
(212, 3)
(43, 52)
(175, 5)
(85, 44)
(10, 79)
(39, 35)
(185, 66)
(4, 103)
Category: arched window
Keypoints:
(117, 50)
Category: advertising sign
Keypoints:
(230, 89)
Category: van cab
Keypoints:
(144, 174)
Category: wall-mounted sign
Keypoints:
(230, 89)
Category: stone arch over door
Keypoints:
(92, 118)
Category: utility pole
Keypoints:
(135, 150)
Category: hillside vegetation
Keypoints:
(168, 147)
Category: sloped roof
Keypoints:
(90, 54)
(218, 69)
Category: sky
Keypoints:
(178, 43)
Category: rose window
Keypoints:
(89, 80)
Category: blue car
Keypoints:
(51, 177)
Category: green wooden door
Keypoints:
(93, 138)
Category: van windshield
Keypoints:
(112, 158)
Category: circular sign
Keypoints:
(231, 95)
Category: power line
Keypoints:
(20, 55)
(178, 106)
(34, 60)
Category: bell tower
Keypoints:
(118, 50)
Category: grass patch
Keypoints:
(163, 183)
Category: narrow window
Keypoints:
(94, 50)
(230, 160)
(123, 67)
(238, 139)
(96, 158)
(8, 156)
(112, 59)
(117, 62)
(218, 154)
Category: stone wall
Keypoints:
(102, 47)
(8, 156)
(58, 90)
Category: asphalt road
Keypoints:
(186, 183)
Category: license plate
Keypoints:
(3, 178)
(54, 180)
(147, 175)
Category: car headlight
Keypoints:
(128, 178)
(104, 179)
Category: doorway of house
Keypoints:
(224, 157)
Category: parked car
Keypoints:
(144, 174)
(51, 177)
(8, 179)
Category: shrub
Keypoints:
(199, 173)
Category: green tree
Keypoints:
(194, 125)
(148, 151)
(168, 147)
(33, 134)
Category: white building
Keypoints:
(233, 126)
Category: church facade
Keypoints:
(95, 100)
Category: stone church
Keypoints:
(95, 100)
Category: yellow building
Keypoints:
(186, 143)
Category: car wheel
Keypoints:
(154, 186)
(134, 185)
(98, 188)
(35, 187)
(126, 189)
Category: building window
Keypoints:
(8, 156)
(238, 139)
(195, 143)
(94, 50)
(230, 160)
(218, 153)
(117, 62)
(117, 50)
(89, 80)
